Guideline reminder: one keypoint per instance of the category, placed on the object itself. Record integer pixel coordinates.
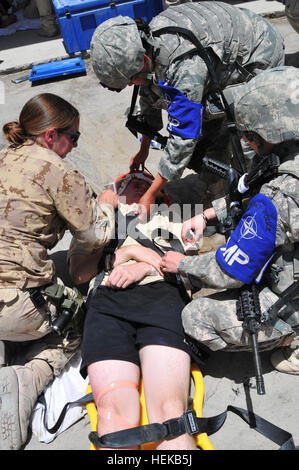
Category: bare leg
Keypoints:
(119, 404)
(166, 378)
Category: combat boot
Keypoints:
(47, 18)
(20, 387)
(50, 32)
(286, 360)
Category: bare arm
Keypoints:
(150, 196)
(138, 160)
(83, 268)
(124, 275)
(139, 254)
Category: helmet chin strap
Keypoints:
(149, 43)
(147, 73)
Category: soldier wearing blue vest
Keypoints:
(266, 112)
(172, 76)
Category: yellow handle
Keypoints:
(202, 439)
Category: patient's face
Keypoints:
(135, 190)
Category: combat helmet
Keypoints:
(268, 105)
(117, 52)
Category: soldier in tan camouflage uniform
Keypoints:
(240, 43)
(266, 111)
(41, 197)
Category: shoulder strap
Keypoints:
(111, 247)
(135, 233)
(205, 56)
(203, 53)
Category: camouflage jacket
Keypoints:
(41, 197)
(234, 35)
(283, 192)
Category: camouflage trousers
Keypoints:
(44, 10)
(213, 321)
(27, 334)
(292, 13)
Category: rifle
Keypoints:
(136, 123)
(238, 186)
(248, 306)
(249, 312)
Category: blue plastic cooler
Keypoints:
(79, 18)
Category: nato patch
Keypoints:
(184, 116)
(252, 244)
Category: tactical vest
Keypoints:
(215, 24)
(288, 260)
(284, 270)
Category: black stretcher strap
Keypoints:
(81, 401)
(189, 423)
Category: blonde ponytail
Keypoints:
(40, 113)
(14, 133)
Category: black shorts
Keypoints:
(119, 322)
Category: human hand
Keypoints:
(196, 225)
(138, 160)
(192, 229)
(110, 197)
(170, 261)
(123, 276)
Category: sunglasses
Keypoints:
(73, 135)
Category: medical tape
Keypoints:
(109, 415)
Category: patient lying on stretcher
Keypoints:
(133, 324)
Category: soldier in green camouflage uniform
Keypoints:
(41, 197)
(292, 13)
(241, 43)
(266, 111)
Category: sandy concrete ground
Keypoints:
(104, 152)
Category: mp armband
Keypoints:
(251, 246)
(184, 116)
